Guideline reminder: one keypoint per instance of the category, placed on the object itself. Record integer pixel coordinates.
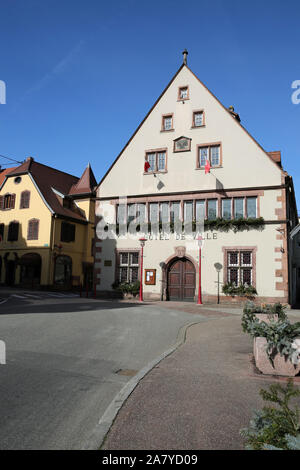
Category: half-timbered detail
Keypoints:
(207, 178)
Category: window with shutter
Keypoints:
(24, 201)
(12, 201)
(7, 201)
(33, 229)
(13, 231)
(1, 232)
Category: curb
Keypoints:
(97, 437)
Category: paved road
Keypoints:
(63, 354)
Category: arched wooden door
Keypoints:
(181, 280)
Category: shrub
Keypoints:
(127, 287)
(241, 290)
(280, 334)
(275, 427)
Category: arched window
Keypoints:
(13, 231)
(33, 229)
(24, 201)
(63, 270)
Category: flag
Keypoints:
(207, 167)
(146, 167)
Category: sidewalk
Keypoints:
(197, 398)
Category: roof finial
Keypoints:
(185, 54)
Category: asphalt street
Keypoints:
(66, 359)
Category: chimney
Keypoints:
(29, 159)
(276, 157)
(185, 54)
(234, 114)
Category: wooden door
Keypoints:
(181, 280)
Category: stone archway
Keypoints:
(180, 254)
(181, 280)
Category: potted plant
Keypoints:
(128, 289)
(276, 341)
(239, 292)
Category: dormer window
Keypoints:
(183, 93)
(167, 122)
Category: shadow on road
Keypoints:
(14, 307)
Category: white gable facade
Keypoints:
(159, 178)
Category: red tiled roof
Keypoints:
(5, 172)
(47, 178)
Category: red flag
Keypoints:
(207, 167)
(146, 167)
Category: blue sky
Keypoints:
(81, 75)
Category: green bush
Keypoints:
(275, 427)
(127, 287)
(241, 290)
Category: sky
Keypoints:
(81, 75)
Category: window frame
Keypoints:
(209, 146)
(11, 198)
(165, 116)
(129, 251)
(182, 87)
(156, 152)
(240, 249)
(198, 111)
(180, 202)
(24, 194)
(35, 229)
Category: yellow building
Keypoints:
(46, 226)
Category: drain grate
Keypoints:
(127, 372)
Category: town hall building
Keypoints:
(191, 159)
